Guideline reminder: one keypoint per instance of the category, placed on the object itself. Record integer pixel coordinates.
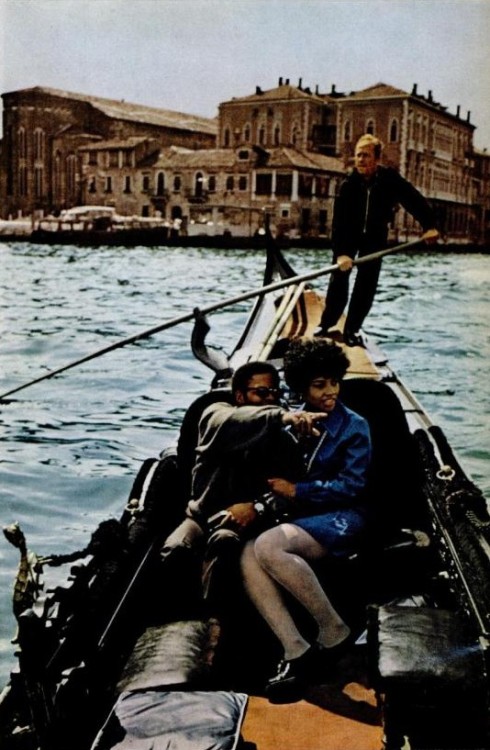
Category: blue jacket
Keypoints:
(337, 468)
(332, 493)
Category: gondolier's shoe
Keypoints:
(334, 334)
(352, 339)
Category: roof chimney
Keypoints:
(287, 81)
(280, 81)
(458, 110)
(258, 90)
(317, 90)
(468, 116)
(429, 95)
(333, 89)
(414, 90)
(299, 83)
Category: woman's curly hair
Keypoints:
(307, 359)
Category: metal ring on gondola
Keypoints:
(446, 473)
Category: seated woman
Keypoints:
(331, 520)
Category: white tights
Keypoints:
(277, 560)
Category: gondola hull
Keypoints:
(126, 654)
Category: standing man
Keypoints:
(363, 209)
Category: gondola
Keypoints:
(120, 651)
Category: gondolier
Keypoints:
(363, 210)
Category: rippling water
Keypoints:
(72, 445)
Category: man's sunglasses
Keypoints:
(263, 392)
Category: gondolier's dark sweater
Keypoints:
(364, 209)
(239, 448)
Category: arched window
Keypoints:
(394, 131)
(23, 180)
(22, 143)
(347, 131)
(39, 144)
(246, 134)
(160, 183)
(38, 182)
(261, 135)
(277, 135)
(230, 182)
(212, 184)
(295, 135)
(226, 137)
(57, 176)
(198, 184)
(370, 127)
(177, 183)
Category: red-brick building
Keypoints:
(44, 128)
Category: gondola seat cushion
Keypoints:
(161, 720)
(175, 654)
(423, 647)
(428, 670)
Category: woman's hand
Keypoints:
(282, 487)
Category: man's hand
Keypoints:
(303, 422)
(345, 262)
(282, 487)
(242, 514)
(430, 236)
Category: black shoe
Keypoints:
(320, 333)
(289, 683)
(352, 339)
(293, 676)
(328, 333)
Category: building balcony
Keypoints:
(160, 197)
(196, 199)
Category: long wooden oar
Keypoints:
(291, 280)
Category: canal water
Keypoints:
(72, 445)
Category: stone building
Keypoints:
(45, 128)
(214, 190)
(430, 146)
(231, 189)
(287, 115)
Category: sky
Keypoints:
(190, 55)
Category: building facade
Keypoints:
(45, 128)
(283, 150)
(214, 191)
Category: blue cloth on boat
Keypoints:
(337, 465)
(176, 720)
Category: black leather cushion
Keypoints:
(178, 653)
(420, 647)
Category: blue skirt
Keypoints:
(339, 531)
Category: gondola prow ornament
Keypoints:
(28, 580)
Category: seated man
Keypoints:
(240, 446)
